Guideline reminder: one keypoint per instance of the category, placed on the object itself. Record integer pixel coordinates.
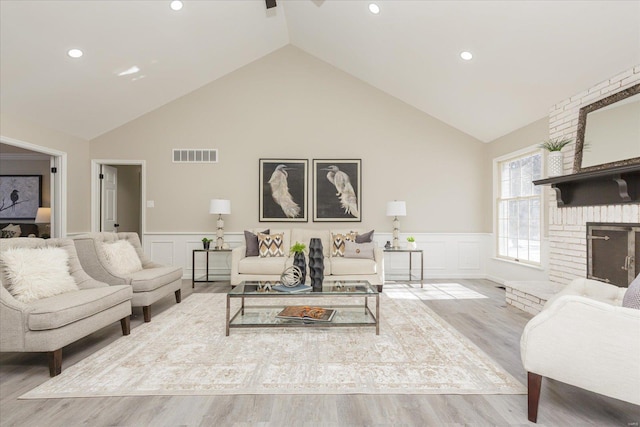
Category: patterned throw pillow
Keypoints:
(270, 245)
(11, 231)
(337, 242)
(631, 297)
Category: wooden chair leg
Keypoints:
(534, 382)
(55, 362)
(125, 322)
(146, 311)
(178, 296)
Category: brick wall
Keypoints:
(567, 226)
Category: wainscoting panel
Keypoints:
(455, 255)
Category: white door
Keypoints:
(109, 198)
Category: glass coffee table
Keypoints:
(349, 299)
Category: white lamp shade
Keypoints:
(43, 215)
(220, 206)
(396, 208)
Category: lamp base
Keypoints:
(396, 233)
(220, 233)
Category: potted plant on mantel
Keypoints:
(299, 260)
(555, 159)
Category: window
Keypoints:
(519, 208)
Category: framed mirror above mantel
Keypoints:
(609, 132)
(607, 154)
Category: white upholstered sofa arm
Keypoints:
(586, 343)
(236, 255)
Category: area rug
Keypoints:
(184, 351)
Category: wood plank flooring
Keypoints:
(489, 323)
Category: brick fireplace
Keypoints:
(568, 225)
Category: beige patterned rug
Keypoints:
(184, 351)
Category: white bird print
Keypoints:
(345, 192)
(280, 192)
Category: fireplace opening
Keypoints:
(612, 252)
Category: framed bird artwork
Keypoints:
(337, 190)
(20, 196)
(283, 190)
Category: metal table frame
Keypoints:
(206, 274)
(410, 252)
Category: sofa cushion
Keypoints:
(340, 266)
(270, 245)
(338, 240)
(122, 257)
(61, 310)
(251, 242)
(258, 265)
(150, 279)
(304, 235)
(35, 273)
(359, 250)
(632, 295)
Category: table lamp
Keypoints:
(43, 216)
(220, 207)
(396, 209)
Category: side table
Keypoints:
(411, 252)
(193, 265)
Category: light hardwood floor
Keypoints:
(489, 323)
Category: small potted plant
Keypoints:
(299, 260)
(411, 243)
(206, 243)
(555, 157)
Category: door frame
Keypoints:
(58, 183)
(95, 190)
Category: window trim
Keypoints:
(527, 151)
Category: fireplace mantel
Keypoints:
(613, 186)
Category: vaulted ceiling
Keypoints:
(528, 55)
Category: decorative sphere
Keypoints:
(291, 277)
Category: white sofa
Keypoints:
(254, 268)
(584, 337)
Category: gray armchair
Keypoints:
(150, 284)
(49, 324)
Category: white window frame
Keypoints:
(525, 152)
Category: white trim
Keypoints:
(58, 183)
(95, 190)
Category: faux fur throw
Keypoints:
(36, 273)
(122, 257)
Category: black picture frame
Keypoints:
(290, 188)
(333, 204)
(20, 196)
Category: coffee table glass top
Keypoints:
(342, 287)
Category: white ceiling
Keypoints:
(528, 55)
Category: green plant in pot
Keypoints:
(555, 158)
(206, 243)
(299, 260)
(411, 243)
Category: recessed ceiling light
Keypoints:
(374, 8)
(467, 56)
(176, 5)
(75, 53)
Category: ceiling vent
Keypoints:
(195, 155)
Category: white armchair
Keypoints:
(584, 337)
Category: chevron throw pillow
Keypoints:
(270, 245)
(337, 242)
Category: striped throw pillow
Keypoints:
(270, 245)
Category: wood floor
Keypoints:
(489, 323)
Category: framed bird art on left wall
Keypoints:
(337, 190)
(283, 190)
(20, 196)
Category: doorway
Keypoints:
(117, 196)
(57, 182)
